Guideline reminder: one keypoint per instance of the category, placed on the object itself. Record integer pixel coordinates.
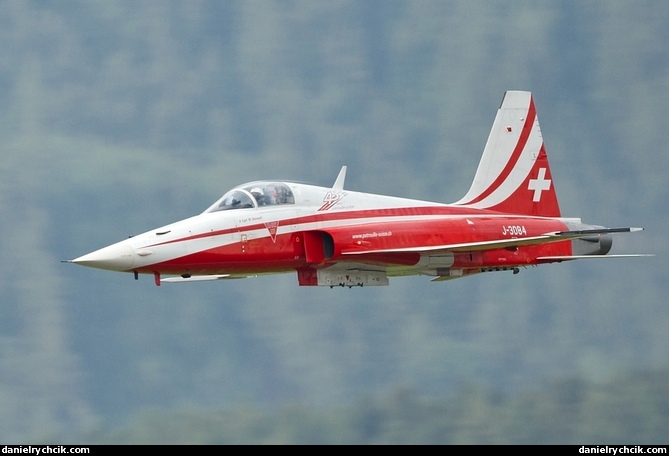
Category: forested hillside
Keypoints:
(627, 409)
(118, 117)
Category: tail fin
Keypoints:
(513, 175)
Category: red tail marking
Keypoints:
(522, 140)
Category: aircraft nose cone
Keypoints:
(116, 257)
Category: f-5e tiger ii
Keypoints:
(330, 236)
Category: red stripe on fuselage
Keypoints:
(415, 211)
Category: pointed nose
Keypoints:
(116, 257)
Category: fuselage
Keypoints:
(317, 227)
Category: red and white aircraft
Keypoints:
(509, 218)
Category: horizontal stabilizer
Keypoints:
(582, 233)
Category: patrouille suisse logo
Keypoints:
(331, 198)
(272, 227)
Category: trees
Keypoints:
(633, 408)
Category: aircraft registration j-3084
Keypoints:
(509, 219)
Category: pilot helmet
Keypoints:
(257, 192)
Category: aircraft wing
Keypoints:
(202, 278)
(583, 257)
(208, 278)
(501, 243)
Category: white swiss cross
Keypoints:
(539, 185)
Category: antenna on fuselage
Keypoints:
(339, 183)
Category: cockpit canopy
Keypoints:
(253, 195)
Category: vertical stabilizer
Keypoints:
(513, 175)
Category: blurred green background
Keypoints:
(117, 117)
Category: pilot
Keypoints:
(258, 195)
(271, 196)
